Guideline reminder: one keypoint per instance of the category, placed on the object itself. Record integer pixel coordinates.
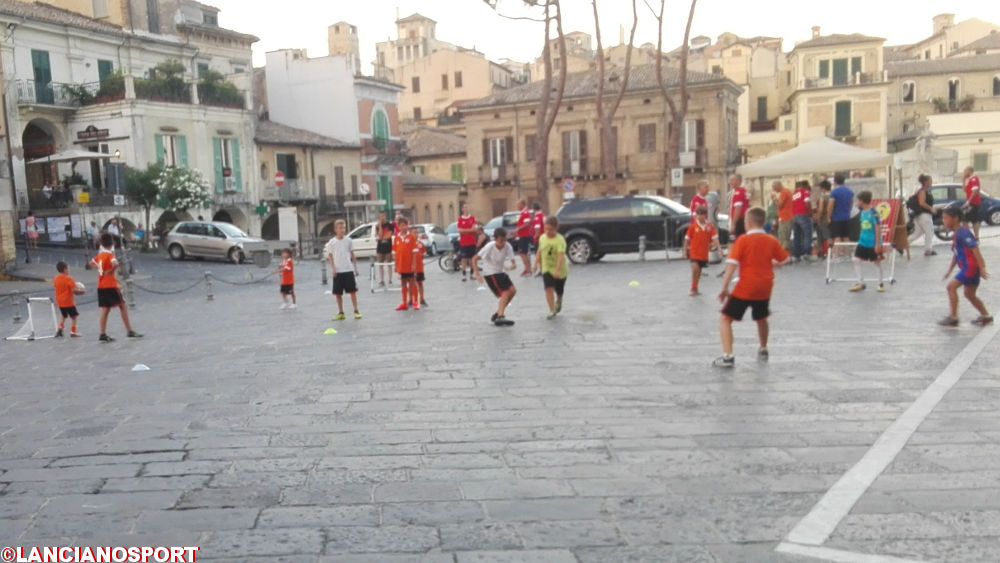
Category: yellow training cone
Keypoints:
(633, 283)
(330, 331)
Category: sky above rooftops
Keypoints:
(471, 23)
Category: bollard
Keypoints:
(208, 285)
(322, 266)
(130, 293)
(642, 248)
(17, 309)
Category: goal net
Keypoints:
(41, 321)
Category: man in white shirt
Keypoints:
(494, 255)
(340, 253)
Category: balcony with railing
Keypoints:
(334, 204)
(762, 126)
(499, 174)
(696, 159)
(844, 133)
(293, 190)
(855, 79)
(117, 87)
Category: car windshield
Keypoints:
(670, 204)
(231, 230)
(452, 229)
(494, 223)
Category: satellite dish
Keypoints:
(364, 189)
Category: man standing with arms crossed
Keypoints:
(972, 199)
(525, 234)
(466, 239)
(699, 197)
(738, 204)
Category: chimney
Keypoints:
(943, 22)
(815, 29)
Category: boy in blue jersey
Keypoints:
(971, 268)
(869, 241)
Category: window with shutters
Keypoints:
(285, 162)
(458, 172)
(574, 152)
(981, 161)
(824, 69)
(458, 79)
(842, 119)
(647, 137)
(497, 153)
(419, 169)
(427, 213)
(105, 69)
(909, 92)
(954, 90)
(444, 81)
(996, 85)
(855, 65)
(692, 139)
(171, 150)
(153, 15)
(338, 182)
(380, 130)
(417, 114)
(202, 69)
(354, 183)
(529, 148)
(415, 84)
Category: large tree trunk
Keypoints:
(548, 107)
(605, 117)
(677, 110)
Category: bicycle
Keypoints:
(450, 262)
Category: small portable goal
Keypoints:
(41, 321)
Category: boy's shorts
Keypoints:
(499, 283)
(287, 289)
(406, 275)
(972, 214)
(108, 297)
(383, 247)
(866, 253)
(523, 245)
(344, 282)
(70, 312)
(701, 263)
(420, 276)
(467, 251)
(968, 279)
(840, 229)
(735, 308)
(548, 280)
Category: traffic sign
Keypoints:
(676, 177)
(119, 199)
(83, 197)
(279, 178)
(568, 184)
(364, 189)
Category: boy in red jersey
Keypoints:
(404, 246)
(466, 238)
(287, 271)
(418, 272)
(754, 254)
(66, 288)
(108, 295)
(701, 236)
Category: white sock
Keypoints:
(857, 268)
(879, 266)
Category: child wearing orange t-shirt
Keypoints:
(287, 271)
(404, 246)
(755, 254)
(418, 271)
(108, 295)
(701, 236)
(66, 288)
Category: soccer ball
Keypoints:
(80, 286)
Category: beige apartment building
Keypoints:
(437, 153)
(342, 39)
(501, 133)
(415, 39)
(949, 38)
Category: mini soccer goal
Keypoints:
(839, 257)
(41, 321)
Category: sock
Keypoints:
(857, 269)
(879, 266)
(403, 291)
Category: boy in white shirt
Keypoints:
(340, 253)
(494, 255)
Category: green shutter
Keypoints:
(842, 119)
(840, 76)
(384, 191)
(104, 69)
(855, 65)
(824, 69)
(182, 150)
(237, 175)
(160, 156)
(457, 172)
(220, 181)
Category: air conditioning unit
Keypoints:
(229, 184)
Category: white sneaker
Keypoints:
(284, 305)
(293, 306)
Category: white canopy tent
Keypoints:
(71, 155)
(819, 155)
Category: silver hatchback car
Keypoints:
(207, 239)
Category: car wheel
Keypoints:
(235, 256)
(596, 257)
(943, 233)
(176, 252)
(434, 249)
(580, 249)
(993, 218)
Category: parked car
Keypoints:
(363, 240)
(433, 238)
(946, 194)
(208, 239)
(609, 225)
(508, 221)
(452, 232)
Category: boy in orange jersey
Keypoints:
(66, 288)
(755, 254)
(287, 271)
(405, 248)
(418, 272)
(701, 236)
(108, 296)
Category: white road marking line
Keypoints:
(837, 555)
(823, 519)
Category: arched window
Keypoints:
(451, 213)
(909, 92)
(440, 213)
(954, 90)
(996, 85)
(263, 171)
(427, 213)
(380, 130)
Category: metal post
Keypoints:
(642, 248)
(17, 308)
(322, 266)
(130, 292)
(666, 237)
(208, 285)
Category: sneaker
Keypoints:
(463, 276)
(857, 287)
(762, 355)
(983, 321)
(724, 362)
(930, 253)
(423, 303)
(948, 321)
(502, 321)
(881, 288)
(493, 317)
(381, 283)
(551, 315)
(133, 334)
(106, 338)
(284, 305)
(74, 334)
(339, 317)
(559, 305)
(416, 306)
(693, 292)
(293, 306)
(59, 333)
(357, 316)
(402, 307)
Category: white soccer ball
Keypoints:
(80, 286)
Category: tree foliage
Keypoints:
(141, 188)
(181, 189)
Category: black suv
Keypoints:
(609, 225)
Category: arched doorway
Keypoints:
(223, 216)
(232, 216)
(269, 229)
(171, 218)
(38, 141)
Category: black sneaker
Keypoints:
(724, 362)
(493, 317)
(981, 321)
(106, 338)
(133, 334)
(502, 321)
(948, 321)
(59, 333)
(559, 305)
(763, 355)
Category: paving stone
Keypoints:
(110, 502)
(480, 536)
(280, 541)
(519, 556)
(408, 491)
(318, 516)
(197, 519)
(569, 533)
(432, 513)
(392, 539)
(236, 497)
(167, 483)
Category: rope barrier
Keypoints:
(164, 291)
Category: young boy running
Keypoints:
(701, 236)
(340, 251)
(869, 241)
(404, 247)
(551, 260)
(971, 268)
(287, 271)
(494, 255)
(66, 288)
(754, 254)
(418, 271)
(108, 296)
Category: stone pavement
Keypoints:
(603, 435)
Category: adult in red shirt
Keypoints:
(802, 222)
(699, 197)
(738, 204)
(466, 239)
(525, 232)
(973, 199)
(537, 224)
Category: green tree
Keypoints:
(181, 189)
(141, 188)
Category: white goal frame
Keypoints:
(850, 256)
(30, 335)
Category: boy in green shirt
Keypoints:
(551, 259)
